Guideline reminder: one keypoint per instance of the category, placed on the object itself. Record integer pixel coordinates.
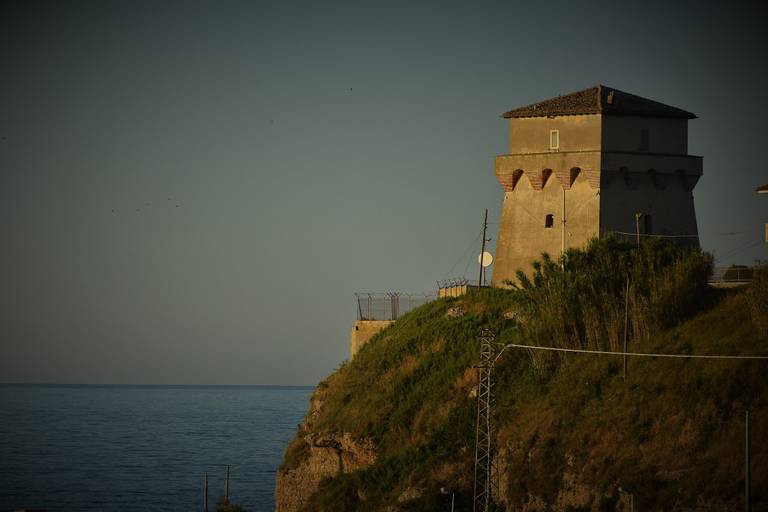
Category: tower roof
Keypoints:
(599, 99)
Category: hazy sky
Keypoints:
(191, 192)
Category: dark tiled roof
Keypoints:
(596, 100)
(762, 190)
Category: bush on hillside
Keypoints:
(579, 300)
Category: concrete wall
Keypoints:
(455, 291)
(363, 331)
(577, 133)
(666, 136)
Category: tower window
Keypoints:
(549, 220)
(554, 139)
(644, 139)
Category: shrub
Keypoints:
(757, 299)
(579, 300)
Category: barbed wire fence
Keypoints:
(389, 305)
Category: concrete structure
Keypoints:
(584, 165)
(456, 290)
(363, 331)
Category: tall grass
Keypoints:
(579, 301)
(757, 299)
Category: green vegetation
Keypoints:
(670, 432)
(579, 302)
(757, 298)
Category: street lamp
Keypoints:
(631, 498)
(443, 490)
(637, 226)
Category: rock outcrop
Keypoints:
(326, 455)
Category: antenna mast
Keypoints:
(482, 250)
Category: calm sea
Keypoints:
(110, 448)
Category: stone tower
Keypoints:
(586, 164)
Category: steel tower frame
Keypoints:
(486, 484)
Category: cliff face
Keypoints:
(394, 430)
(322, 455)
(329, 455)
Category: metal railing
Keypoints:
(685, 240)
(389, 305)
(734, 275)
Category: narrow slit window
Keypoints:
(549, 220)
(554, 139)
(644, 139)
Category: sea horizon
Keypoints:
(128, 385)
(125, 447)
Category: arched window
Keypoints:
(549, 220)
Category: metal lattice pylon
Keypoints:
(485, 478)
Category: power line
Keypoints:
(732, 233)
(739, 250)
(634, 354)
(654, 236)
(469, 261)
(464, 255)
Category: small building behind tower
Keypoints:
(588, 164)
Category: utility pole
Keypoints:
(747, 472)
(626, 325)
(562, 247)
(226, 486)
(482, 250)
(205, 492)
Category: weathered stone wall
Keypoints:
(523, 235)
(666, 135)
(666, 198)
(596, 181)
(363, 331)
(577, 133)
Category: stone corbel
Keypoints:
(545, 174)
(658, 179)
(687, 180)
(627, 177)
(516, 175)
(567, 177)
(535, 178)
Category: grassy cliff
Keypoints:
(571, 431)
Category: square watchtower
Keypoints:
(590, 163)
